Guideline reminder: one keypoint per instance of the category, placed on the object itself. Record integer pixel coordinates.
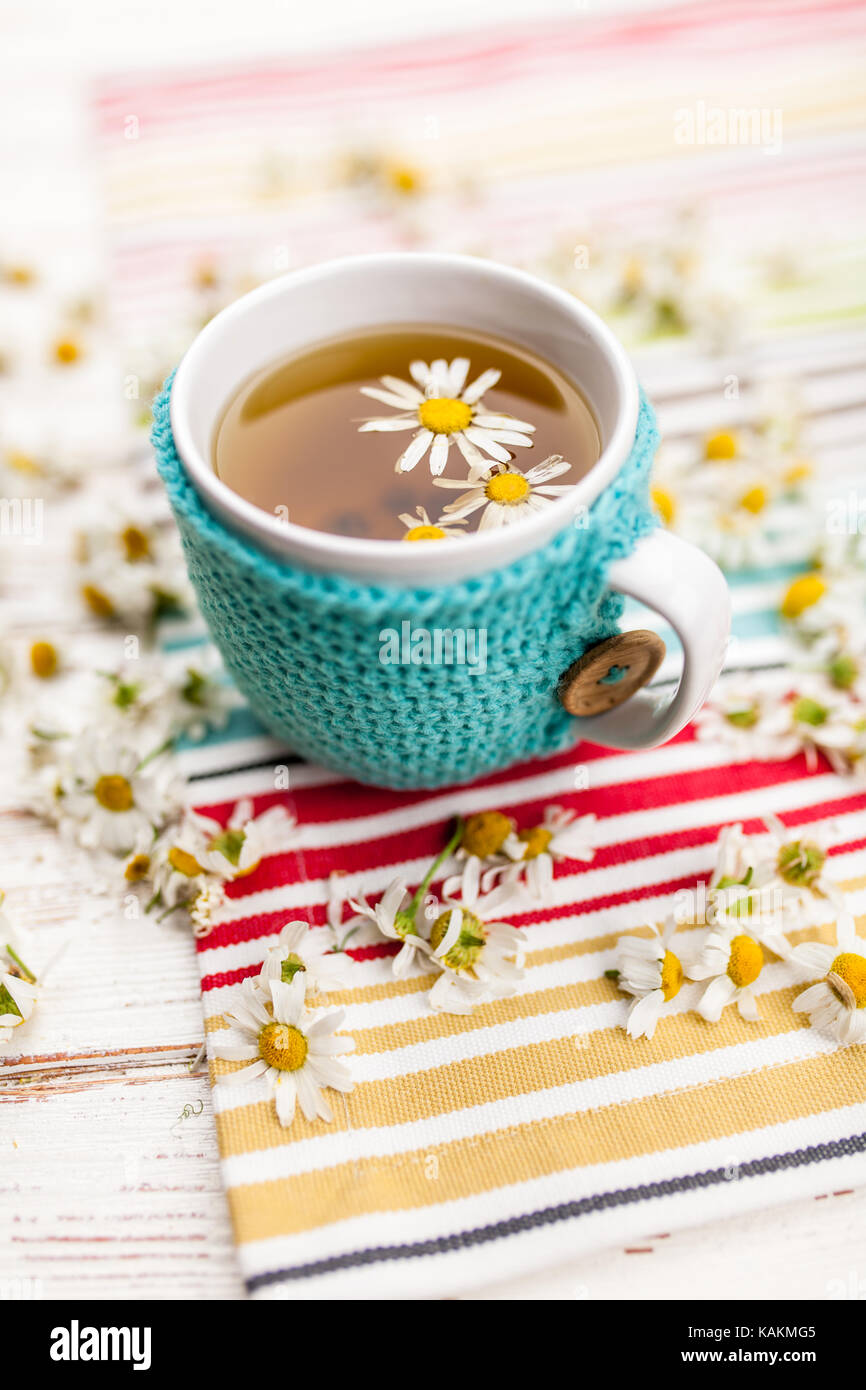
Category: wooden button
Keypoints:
(611, 671)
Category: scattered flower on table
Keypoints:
(562, 834)
(18, 984)
(480, 958)
(748, 716)
(238, 848)
(106, 796)
(507, 495)
(442, 410)
(132, 571)
(649, 970)
(488, 840)
(731, 959)
(399, 916)
(292, 1050)
(796, 864)
(837, 1003)
(205, 909)
(304, 950)
(187, 699)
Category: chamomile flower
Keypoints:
(653, 974)
(750, 718)
(731, 959)
(506, 494)
(796, 864)
(131, 571)
(399, 918)
(205, 907)
(480, 958)
(236, 849)
(291, 1050)
(837, 1004)
(420, 528)
(107, 797)
(18, 990)
(442, 410)
(828, 721)
(175, 869)
(488, 840)
(174, 700)
(300, 949)
(561, 835)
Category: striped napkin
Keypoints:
(472, 1149)
(476, 1148)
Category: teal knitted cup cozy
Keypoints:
(310, 651)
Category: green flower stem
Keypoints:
(430, 874)
(25, 970)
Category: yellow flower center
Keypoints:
(850, 970)
(536, 840)
(664, 504)
(66, 351)
(22, 463)
(802, 594)
(114, 792)
(98, 602)
(723, 445)
(469, 944)
(745, 962)
(507, 489)
(632, 275)
(137, 868)
(135, 544)
(425, 533)
(402, 178)
(672, 976)
(43, 660)
(798, 472)
(755, 500)
(443, 415)
(283, 1046)
(19, 275)
(183, 862)
(485, 834)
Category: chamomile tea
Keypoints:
(406, 433)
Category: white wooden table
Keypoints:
(104, 1190)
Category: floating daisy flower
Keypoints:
(443, 411)
(108, 797)
(732, 958)
(837, 1004)
(506, 494)
(647, 969)
(292, 1050)
(299, 949)
(420, 528)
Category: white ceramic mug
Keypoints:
(294, 312)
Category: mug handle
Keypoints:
(688, 589)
